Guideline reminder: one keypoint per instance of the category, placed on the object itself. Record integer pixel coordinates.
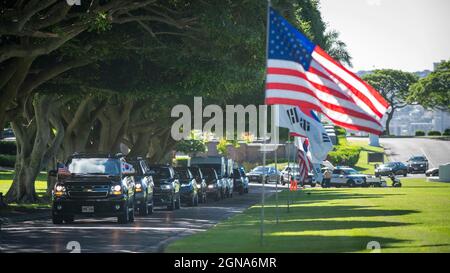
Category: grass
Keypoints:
(414, 218)
(362, 165)
(6, 178)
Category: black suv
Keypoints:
(201, 183)
(93, 185)
(214, 185)
(143, 197)
(240, 180)
(417, 164)
(189, 189)
(167, 188)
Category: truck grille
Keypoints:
(88, 191)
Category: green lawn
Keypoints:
(414, 218)
(362, 165)
(6, 178)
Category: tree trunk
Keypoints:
(140, 145)
(114, 123)
(388, 121)
(35, 148)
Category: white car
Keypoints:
(346, 176)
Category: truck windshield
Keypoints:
(101, 166)
(162, 173)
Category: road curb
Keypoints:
(23, 218)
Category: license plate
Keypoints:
(87, 209)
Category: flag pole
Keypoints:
(289, 171)
(276, 183)
(264, 130)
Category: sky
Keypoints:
(400, 34)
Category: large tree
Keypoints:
(394, 86)
(433, 91)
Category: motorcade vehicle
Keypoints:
(93, 185)
(201, 183)
(214, 183)
(189, 189)
(143, 197)
(240, 180)
(166, 191)
(220, 166)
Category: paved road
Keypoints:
(146, 234)
(401, 149)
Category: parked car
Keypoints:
(215, 187)
(189, 190)
(240, 180)
(167, 188)
(345, 176)
(294, 172)
(143, 197)
(256, 175)
(417, 164)
(396, 168)
(201, 183)
(432, 172)
(7, 135)
(96, 185)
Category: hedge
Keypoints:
(7, 160)
(434, 133)
(8, 147)
(420, 133)
(446, 132)
(344, 155)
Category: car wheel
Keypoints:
(405, 173)
(143, 208)
(196, 200)
(68, 219)
(57, 219)
(178, 202)
(131, 217)
(313, 185)
(124, 217)
(351, 183)
(172, 204)
(150, 209)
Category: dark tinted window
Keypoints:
(99, 166)
(183, 173)
(161, 172)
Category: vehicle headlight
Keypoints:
(60, 190)
(166, 187)
(199, 186)
(138, 187)
(116, 190)
(421, 165)
(211, 186)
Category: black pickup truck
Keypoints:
(97, 185)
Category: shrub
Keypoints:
(8, 147)
(344, 155)
(446, 132)
(434, 133)
(7, 160)
(420, 133)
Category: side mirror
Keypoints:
(53, 173)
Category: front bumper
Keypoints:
(162, 198)
(102, 207)
(255, 178)
(417, 168)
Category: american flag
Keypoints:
(301, 73)
(63, 170)
(304, 161)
